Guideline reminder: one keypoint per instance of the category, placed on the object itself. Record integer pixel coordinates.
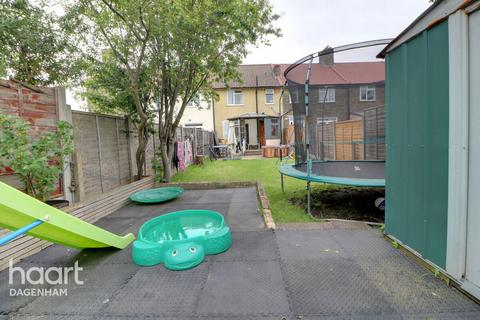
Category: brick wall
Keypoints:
(39, 106)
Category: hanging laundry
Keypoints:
(181, 157)
(175, 155)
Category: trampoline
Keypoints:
(337, 99)
(350, 173)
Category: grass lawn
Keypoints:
(264, 170)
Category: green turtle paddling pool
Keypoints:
(156, 195)
(181, 240)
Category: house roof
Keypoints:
(340, 73)
(248, 74)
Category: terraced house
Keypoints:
(259, 112)
(252, 106)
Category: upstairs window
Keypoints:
(367, 93)
(269, 94)
(234, 97)
(326, 95)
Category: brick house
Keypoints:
(338, 91)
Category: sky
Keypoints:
(308, 26)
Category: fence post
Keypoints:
(99, 152)
(65, 114)
(118, 152)
(364, 122)
(352, 142)
(376, 133)
(78, 177)
(130, 144)
(334, 141)
(194, 142)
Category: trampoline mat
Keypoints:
(347, 169)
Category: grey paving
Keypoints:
(292, 273)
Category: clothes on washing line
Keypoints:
(175, 155)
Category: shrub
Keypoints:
(38, 160)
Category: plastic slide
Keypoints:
(24, 214)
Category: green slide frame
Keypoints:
(18, 209)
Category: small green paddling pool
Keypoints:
(156, 195)
(181, 240)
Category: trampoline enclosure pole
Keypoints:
(309, 193)
(281, 181)
(309, 198)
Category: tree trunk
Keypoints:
(140, 153)
(166, 161)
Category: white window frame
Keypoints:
(272, 93)
(326, 120)
(232, 95)
(367, 89)
(329, 98)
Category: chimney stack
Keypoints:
(325, 57)
(276, 70)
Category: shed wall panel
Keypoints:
(417, 143)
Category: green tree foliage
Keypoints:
(195, 44)
(38, 161)
(124, 29)
(173, 50)
(33, 47)
(107, 90)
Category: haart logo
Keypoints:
(39, 276)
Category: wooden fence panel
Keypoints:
(101, 152)
(123, 151)
(87, 149)
(109, 161)
(374, 126)
(349, 140)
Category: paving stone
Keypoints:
(308, 245)
(244, 288)
(157, 291)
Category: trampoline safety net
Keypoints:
(338, 103)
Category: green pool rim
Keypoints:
(137, 196)
(175, 215)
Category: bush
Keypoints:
(38, 160)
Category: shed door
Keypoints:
(472, 272)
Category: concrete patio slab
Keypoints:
(334, 271)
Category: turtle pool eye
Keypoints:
(193, 249)
(174, 252)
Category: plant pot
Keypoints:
(58, 203)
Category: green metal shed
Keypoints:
(433, 139)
